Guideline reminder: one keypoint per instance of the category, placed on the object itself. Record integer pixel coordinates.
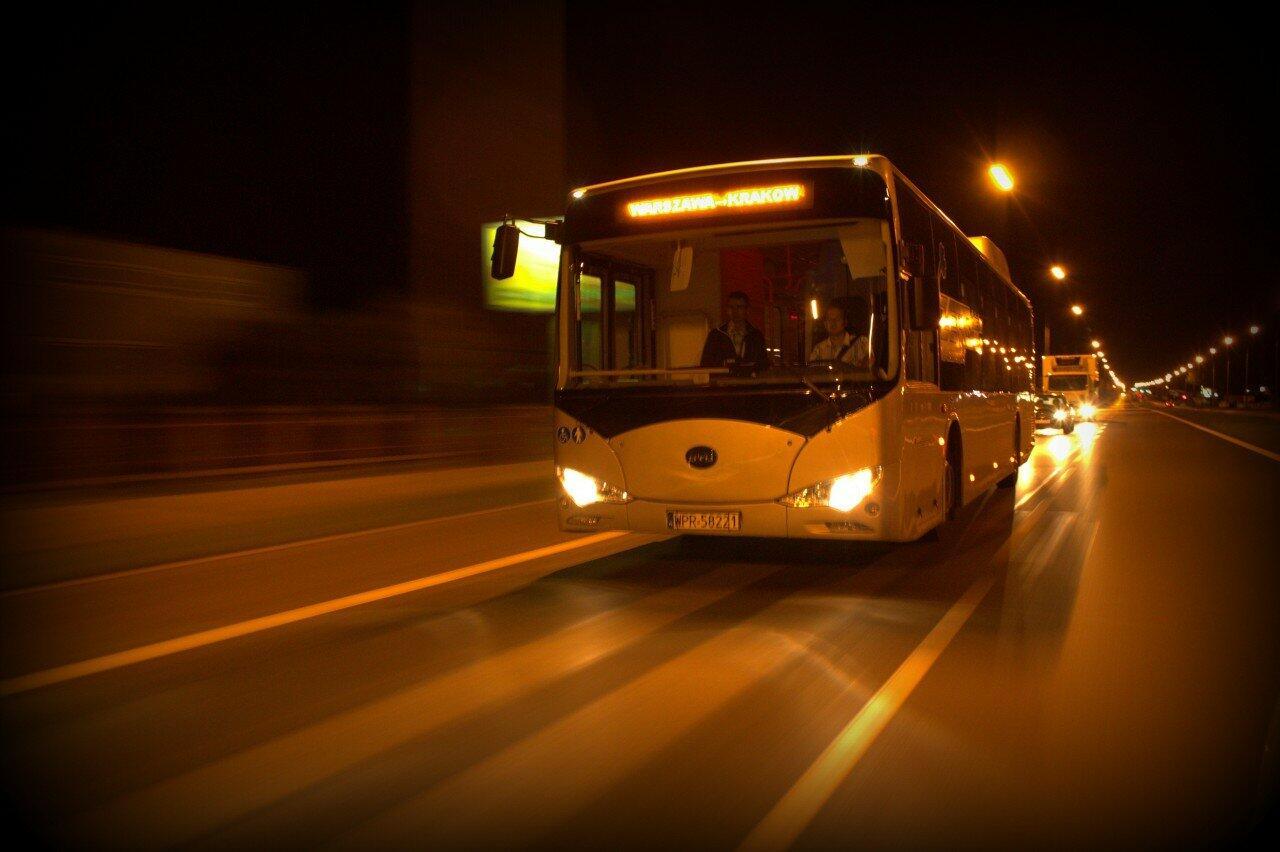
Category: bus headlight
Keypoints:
(842, 493)
(1060, 414)
(1087, 410)
(584, 490)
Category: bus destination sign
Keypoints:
(790, 195)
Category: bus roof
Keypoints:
(716, 168)
(987, 249)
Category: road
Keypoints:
(1092, 657)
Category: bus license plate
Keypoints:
(727, 521)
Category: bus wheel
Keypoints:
(1012, 479)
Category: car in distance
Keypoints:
(1053, 410)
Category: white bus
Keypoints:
(920, 405)
(1076, 378)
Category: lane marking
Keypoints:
(1259, 450)
(71, 671)
(552, 774)
(255, 551)
(797, 808)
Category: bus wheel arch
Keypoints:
(1012, 478)
(952, 472)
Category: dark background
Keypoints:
(284, 136)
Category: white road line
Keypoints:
(255, 551)
(60, 674)
(1217, 434)
(795, 810)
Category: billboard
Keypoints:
(532, 289)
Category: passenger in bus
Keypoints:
(736, 342)
(841, 344)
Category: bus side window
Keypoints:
(914, 218)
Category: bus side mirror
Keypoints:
(926, 305)
(506, 242)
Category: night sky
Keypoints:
(1137, 142)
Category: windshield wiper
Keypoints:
(830, 400)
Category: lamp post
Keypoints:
(1226, 390)
(1213, 371)
(1058, 273)
(1253, 332)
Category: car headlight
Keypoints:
(584, 490)
(842, 493)
(1087, 410)
(1060, 414)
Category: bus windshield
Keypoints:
(802, 304)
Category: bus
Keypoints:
(930, 407)
(1076, 378)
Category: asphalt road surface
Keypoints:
(1092, 657)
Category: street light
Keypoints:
(1253, 332)
(1077, 310)
(1001, 176)
(1226, 390)
(1096, 343)
(1058, 272)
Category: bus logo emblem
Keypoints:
(700, 457)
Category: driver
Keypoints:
(840, 344)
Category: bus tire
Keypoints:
(1012, 479)
(952, 483)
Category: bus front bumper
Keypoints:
(769, 520)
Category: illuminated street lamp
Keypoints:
(1001, 177)
(1058, 273)
(1096, 343)
(1078, 310)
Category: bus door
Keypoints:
(616, 315)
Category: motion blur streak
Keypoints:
(179, 810)
(49, 677)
